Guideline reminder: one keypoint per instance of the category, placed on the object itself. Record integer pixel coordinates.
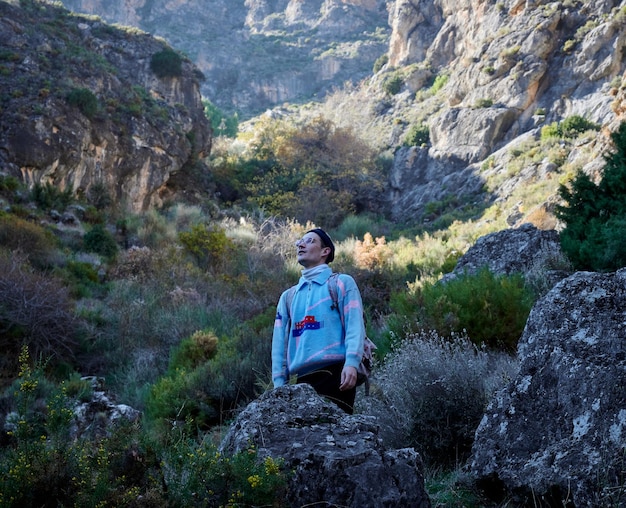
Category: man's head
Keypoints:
(315, 248)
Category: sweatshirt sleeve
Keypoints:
(353, 320)
(280, 374)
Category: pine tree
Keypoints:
(594, 237)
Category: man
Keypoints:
(315, 341)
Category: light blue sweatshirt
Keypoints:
(316, 335)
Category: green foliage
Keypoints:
(166, 63)
(194, 351)
(30, 239)
(213, 383)
(99, 196)
(49, 197)
(204, 477)
(483, 103)
(317, 172)
(571, 127)
(418, 135)
(380, 62)
(434, 392)
(41, 466)
(208, 244)
(85, 100)
(439, 83)
(222, 125)
(594, 237)
(81, 278)
(393, 84)
(491, 309)
(9, 185)
(99, 240)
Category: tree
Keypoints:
(594, 237)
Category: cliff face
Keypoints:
(256, 54)
(505, 69)
(81, 106)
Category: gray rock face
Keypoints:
(337, 459)
(510, 251)
(140, 130)
(557, 432)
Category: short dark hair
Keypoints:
(326, 242)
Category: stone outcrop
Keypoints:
(556, 435)
(124, 128)
(517, 250)
(336, 459)
(257, 54)
(504, 62)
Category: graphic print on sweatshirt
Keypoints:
(308, 323)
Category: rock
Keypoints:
(95, 417)
(336, 459)
(557, 433)
(510, 251)
(139, 133)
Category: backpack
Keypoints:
(364, 369)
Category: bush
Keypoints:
(431, 393)
(50, 197)
(380, 62)
(99, 240)
(36, 310)
(194, 351)
(85, 100)
(393, 84)
(31, 240)
(209, 245)
(571, 127)
(594, 237)
(201, 476)
(491, 309)
(418, 135)
(166, 63)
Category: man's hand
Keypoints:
(348, 378)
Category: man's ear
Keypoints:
(327, 249)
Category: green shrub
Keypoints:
(209, 245)
(166, 63)
(222, 125)
(393, 84)
(201, 476)
(594, 237)
(49, 197)
(9, 185)
(439, 83)
(491, 309)
(32, 240)
(99, 240)
(418, 135)
(431, 392)
(380, 62)
(570, 127)
(85, 100)
(42, 465)
(194, 351)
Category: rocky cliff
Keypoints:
(81, 105)
(483, 78)
(258, 53)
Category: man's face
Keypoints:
(310, 252)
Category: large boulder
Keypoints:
(557, 432)
(522, 250)
(336, 459)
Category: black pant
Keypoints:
(326, 383)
